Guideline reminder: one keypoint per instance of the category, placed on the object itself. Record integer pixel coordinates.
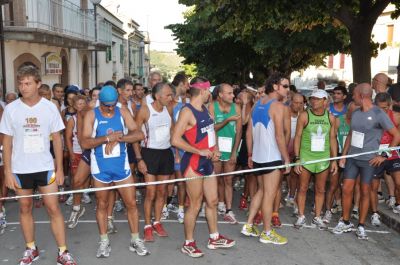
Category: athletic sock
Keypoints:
(104, 237)
(134, 236)
(346, 222)
(188, 241)
(214, 235)
(275, 214)
(76, 208)
(31, 245)
(61, 249)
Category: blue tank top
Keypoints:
(335, 112)
(177, 110)
(104, 126)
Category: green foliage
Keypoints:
(168, 63)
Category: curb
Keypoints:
(389, 218)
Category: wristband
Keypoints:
(295, 159)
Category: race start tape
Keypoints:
(170, 181)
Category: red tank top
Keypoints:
(387, 137)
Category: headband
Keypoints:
(202, 85)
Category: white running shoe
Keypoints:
(375, 219)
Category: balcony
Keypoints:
(56, 22)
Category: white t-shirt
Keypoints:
(30, 128)
(149, 99)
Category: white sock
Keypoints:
(214, 235)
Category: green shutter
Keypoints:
(108, 54)
(121, 53)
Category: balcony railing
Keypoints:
(59, 17)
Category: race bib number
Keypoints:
(33, 143)
(317, 143)
(116, 152)
(211, 137)
(357, 139)
(225, 144)
(162, 133)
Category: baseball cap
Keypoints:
(319, 93)
(73, 88)
(108, 94)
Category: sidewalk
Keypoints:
(388, 217)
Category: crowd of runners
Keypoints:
(56, 139)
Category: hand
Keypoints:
(245, 98)
(59, 177)
(142, 167)
(11, 182)
(334, 167)
(216, 155)
(377, 161)
(250, 162)
(298, 169)
(115, 136)
(109, 147)
(234, 117)
(342, 162)
(287, 168)
(206, 152)
(233, 158)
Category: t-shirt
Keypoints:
(367, 129)
(30, 128)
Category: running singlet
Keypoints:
(226, 135)
(200, 136)
(387, 137)
(335, 112)
(265, 148)
(157, 130)
(342, 133)
(115, 162)
(76, 148)
(315, 141)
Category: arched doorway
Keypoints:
(85, 72)
(24, 59)
(64, 80)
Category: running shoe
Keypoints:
(164, 213)
(118, 206)
(396, 209)
(65, 259)
(276, 222)
(250, 230)
(192, 250)
(318, 222)
(74, 218)
(104, 249)
(355, 214)
(221, 208)
(86, 198)
(111, 228)
(391, 202)
(381, 198)
(376, 219)
(70, 200)
(159, 230)
(361, 234)
(341, 228)
(230, 218)
(290, 202)
(243, 203)
(300, 222)
(258, 219)
(236, 185)
(327, 217)
(30, 255)
(172, 208)
(138, 247)
(181, 216)
(336, 208)
(220, 242)
(3, 223)
(148, 234)
(273, 238)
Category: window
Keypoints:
(121, 53)
(330, 61)
(342, 60)
(108, 54)
(389, 40)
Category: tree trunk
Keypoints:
(360, 37)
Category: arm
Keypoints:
(238, 135)
(134, 135)
(333, 143)
(278, 114)
(249, 142)
(58, 152)
(10, 180)
(141, 117)
(287, 124)
(69, 135)
(301, 122)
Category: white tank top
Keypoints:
(157, 129)
(129, 106)
(76, 148)
(293, 125)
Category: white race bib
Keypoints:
(211, 137)
(162, 132)
(225, 144)
(317, 143)
(116, 152)
(357, 139)
(33, 143)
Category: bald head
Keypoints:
(362, 92)
(380, 82)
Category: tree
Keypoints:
(357, 16)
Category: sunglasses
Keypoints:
(109, 104)
(285, 86)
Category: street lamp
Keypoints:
(95, 3)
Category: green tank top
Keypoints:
(226, 135)
(343, 131)
(315, 137)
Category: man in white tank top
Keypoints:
(155, 158)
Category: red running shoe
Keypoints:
(258, 219)
(220, 242)
(243, 204)
(30, 255)
(65, 259)
(148, 234)
(276, 222)
(192, 250)
(159, 230)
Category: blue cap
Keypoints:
(108, 94)
(73, 88)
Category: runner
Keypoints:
(194, 133)
(106, 130)
(228, 125)
(267, 148)
(27, 124)
(315, 139)
(366, 129)
(155, 159)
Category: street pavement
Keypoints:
(305, 246)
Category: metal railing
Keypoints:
(61, 17)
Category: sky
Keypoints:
(152, 16)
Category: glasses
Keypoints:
(109, 104)
(285, 86)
